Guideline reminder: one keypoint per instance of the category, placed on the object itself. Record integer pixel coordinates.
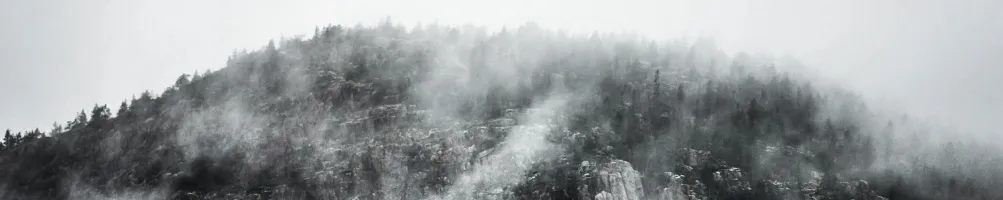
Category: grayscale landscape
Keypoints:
(456, 100)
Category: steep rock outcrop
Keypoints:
(617, 180)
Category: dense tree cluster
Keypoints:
(384, 112)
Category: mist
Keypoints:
(933, 58)
(464, 76)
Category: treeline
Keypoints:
(11, 141)
(385, 112)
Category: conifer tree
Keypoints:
(99, 117)
(9, 140)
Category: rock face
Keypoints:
(617, 180)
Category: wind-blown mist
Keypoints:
(524, 145)
(439, 112)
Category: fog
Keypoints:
(935, 59)
(928, 60)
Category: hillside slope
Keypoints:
(457, 113)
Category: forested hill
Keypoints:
(437, 112)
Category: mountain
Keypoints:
(439, 112)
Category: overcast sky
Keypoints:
(937, 59)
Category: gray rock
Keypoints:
(617, 180)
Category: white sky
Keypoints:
(940, 59)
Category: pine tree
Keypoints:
(655, 82)
(32, 135)
(181, 81)
(9, 140)
(196, 75)
(146, 96)
(123, 110)
(99, 117)
(79, 122)
(680, 93)
(56, 129)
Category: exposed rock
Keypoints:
(604, 196)
(617, 180)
